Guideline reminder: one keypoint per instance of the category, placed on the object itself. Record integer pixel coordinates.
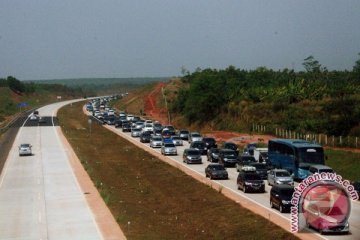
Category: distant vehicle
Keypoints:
(157, 126)
(209, 142)
(177, 140)
(140, 124)
(264, 158)
(194, 136)
(258, 152)
(244, 160)
(145, 137)
(135, 132)
(216, 171)
(168, 149)
(41, 120)
(155, 141)
(184, 134)
(191, 155)
(227, 157)
(250, 181)
(213, 155)
(130, 117)
(25, 149)
(165, 134)
(295, 155)
(126, 127)
(36, 112)
(110, 120)
(250, 148)
(261, 169)
(148, 127)
(170, 128)
(33, 117)
(318, 168)
(280, 197)
(279, 176)
(200, 145)
(231, 145)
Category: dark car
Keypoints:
(191, 155)
(165, 134)
(261, 169)
(145, 137)
(280, 197)
(170, 128)
(126, 127)
(200, 145)
(264, 157)
(216, 171)
(244, 160)
(110, 120)
(250, 181)
(209, 142)
(184, 134)
(227, 157)
(213, 155)
(230, 145)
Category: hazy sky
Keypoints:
(42, 39)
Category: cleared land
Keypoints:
(152, 200)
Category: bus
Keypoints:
(295, 155)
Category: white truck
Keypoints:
(257, 152)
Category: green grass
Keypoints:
(160, 201)
(345, 163)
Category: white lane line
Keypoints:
(6, 166)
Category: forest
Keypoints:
(314, 100)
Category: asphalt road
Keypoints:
(258, 199)
(39, 195)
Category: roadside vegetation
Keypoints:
(153, 200)
(345, 163)
(315, 100)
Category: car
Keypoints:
(199, 145)
(145, 137)
(170, 128)
(216, 171)
(184, 134)
(279, 176)
(168, 149)
(148, 127)
(36, 112)
(264, 157)
(110, 120)
(41, 120)
(157, 132)
(194, 136)
(280, 197)
(130, 117)
(25, 149)
(231, 145)
(227, 157)
(191, 155)
(165, 133)
(140, 124)
(261, 169)
(209, 142)
(135, 132)
(177, 140)
(157, 126)
(249, 180)
(213, 155)
(244, 160)
(155, 141)
(249, 148)
(126, 127)
(318, 168)
(33, 117)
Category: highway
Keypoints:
(258, 200)
(40, 197)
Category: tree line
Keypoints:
(316, 99)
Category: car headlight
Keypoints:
(247, 183)
(285, 202)
(278, 181)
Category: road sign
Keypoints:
(23, 104)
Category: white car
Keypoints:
(148, 127)
(168, 149)
(177, 140)
(25, 149)
(155, 141)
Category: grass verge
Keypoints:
(344, 163)
(152, 200)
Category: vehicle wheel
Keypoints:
(237, 167)
(271, 204)
(281, 209)
(268, 183)
(238, 187)
(245, 190)
(210, 177)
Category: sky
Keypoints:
(42, 39)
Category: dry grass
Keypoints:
(159, 201)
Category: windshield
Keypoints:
(313, 155)
(248, 159)
(198, 145)
(194, 152)
(282, 174)
(252, 177)
(218, 167)
(260, 166)
(157, 139)
(169, 145)
(287, 193)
